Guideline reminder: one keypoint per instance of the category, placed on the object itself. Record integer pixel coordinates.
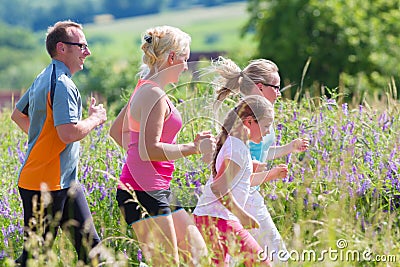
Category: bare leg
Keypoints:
(190, 241)
(158, 240)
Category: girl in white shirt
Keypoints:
(219, 213)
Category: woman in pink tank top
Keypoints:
(147, 128)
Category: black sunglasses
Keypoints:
(83, 47)
(276, 87)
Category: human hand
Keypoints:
(207, 158)
(280, 171)
(300, 145)
(204, 143)
(248, 221)
(97, 112)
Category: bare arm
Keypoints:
(116, 128)
(72, 132)
(21, 120)
(221, 187)
(277, 172)
(153, 110)
(297, 145)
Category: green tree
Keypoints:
(351, 42)
(18, 56)
(107, 78)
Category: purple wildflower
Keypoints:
(354, 168)
(364, 185)
(351, 191)
(190, 177)
(376, 137)
(103, 190)
(288, 158)
(139, 255)
(315, 206)
(125, 254)
(85, 172)
(321, 116)
(197, 187)
(325, 155)
(3, 254)
(99, 130)
(350, 178)
(368, 158)
(305, 202)
(345, 109)
(353, 140)
(330, 103)
(272, 196)
(392, 154)
(21, 155)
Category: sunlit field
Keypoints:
(339, 205)
(212, 29)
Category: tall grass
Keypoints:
(341, 196)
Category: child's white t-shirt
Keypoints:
(237, 151)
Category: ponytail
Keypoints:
(254, 106)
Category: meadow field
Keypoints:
(339, 205)
(212, 29)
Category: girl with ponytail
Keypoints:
(219, 213)
(259, 77)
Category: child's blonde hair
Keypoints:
(254, 106)
(235, 80)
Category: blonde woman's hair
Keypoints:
(255, 106)
(235, 81)
(158, 42)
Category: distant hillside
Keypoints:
(212, 29)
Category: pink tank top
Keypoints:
(149, 175)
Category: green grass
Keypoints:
(343, 190)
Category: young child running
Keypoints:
(219, 213)
(259, 77)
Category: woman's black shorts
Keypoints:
(156, 203)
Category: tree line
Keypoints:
(352, 45)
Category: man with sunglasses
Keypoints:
(50, 112)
